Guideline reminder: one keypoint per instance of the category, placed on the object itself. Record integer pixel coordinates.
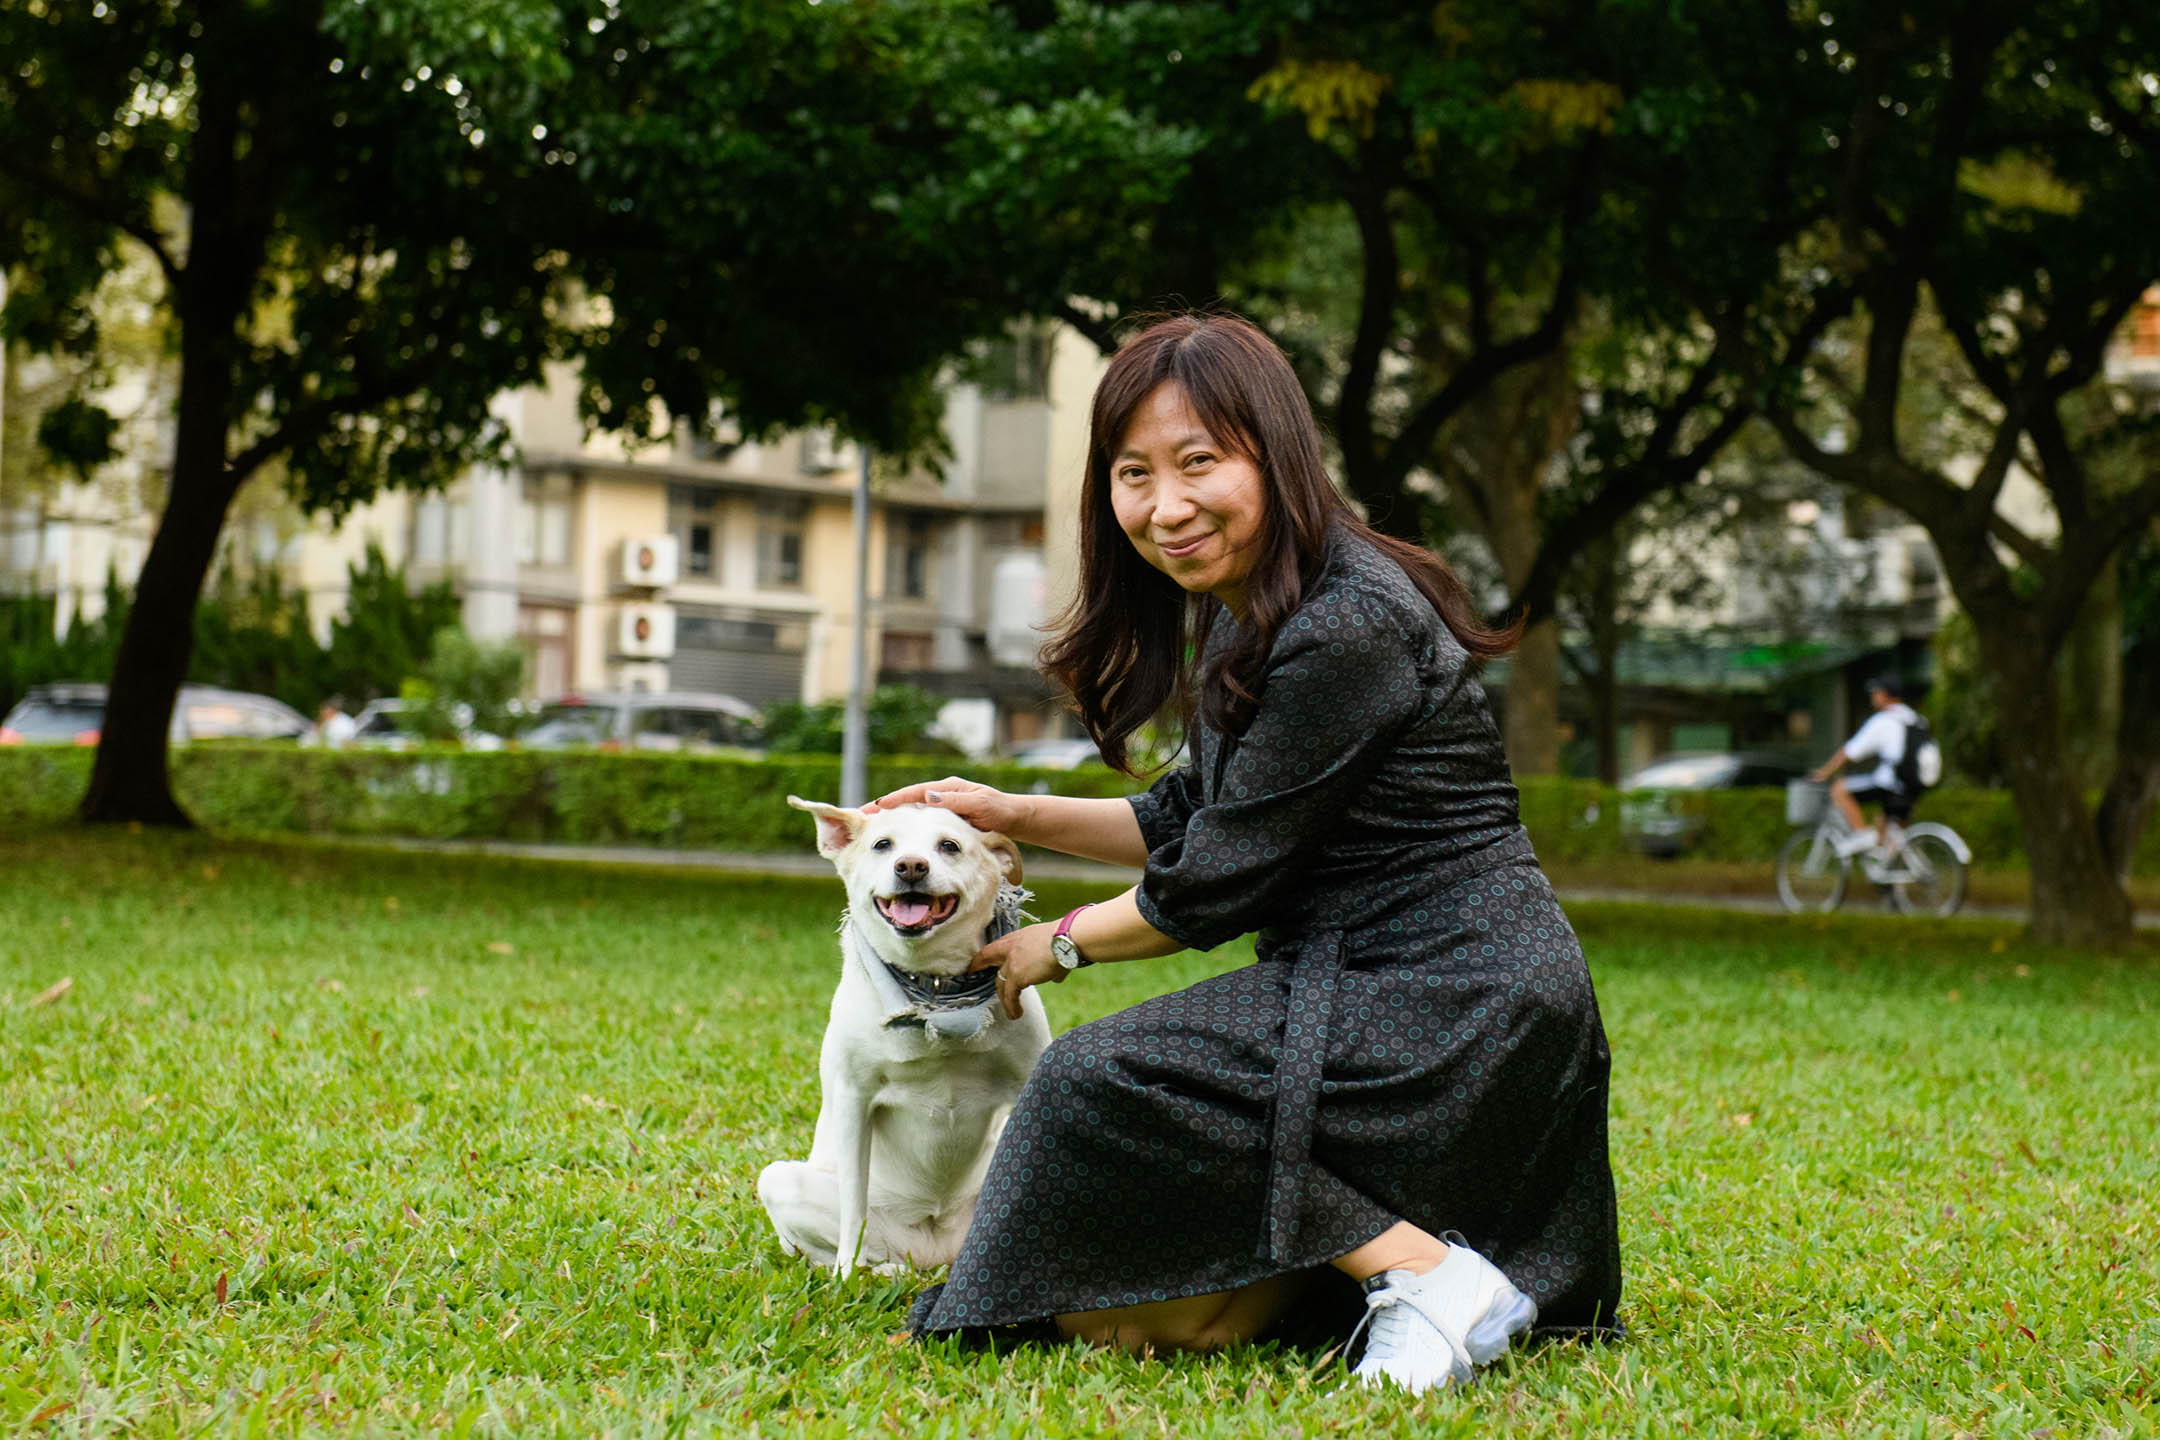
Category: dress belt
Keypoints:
(1314, 972)
(1315, 961)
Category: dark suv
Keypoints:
(1651, 823)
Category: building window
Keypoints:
(545, 633)
(694, 521)
(907, 555)
(905, 651)
(1016, 366)
(543, 533)
(438, 531)
(780, 526)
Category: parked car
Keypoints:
(1649, 821)
(74, 714)
(1057, 754)
(383, 725)
(660, 720)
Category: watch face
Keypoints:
(1066, 952)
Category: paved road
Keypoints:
(1040, 867)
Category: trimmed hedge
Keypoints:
(697, 802)
(723, 802)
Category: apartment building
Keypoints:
(724, 565)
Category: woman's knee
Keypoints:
(1073, 1064)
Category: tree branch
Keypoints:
(2088, 548)
(309, 419)
(1488, 363)
(2027, 549)
(1994, 470)
(1893, 295)
(2060, 469)
(1628, 489)
(94, 206)
(1094, 331)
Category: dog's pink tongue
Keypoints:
(909, 912)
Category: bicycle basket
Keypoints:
(1805, 801)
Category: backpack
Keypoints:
(1920, 766)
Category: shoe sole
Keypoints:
(1510, 1313)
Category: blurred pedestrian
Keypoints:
(334, 729)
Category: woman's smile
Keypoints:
(1178, 550)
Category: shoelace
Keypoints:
(1390, 1327)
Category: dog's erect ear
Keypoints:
(836, 828)
(1007, 855)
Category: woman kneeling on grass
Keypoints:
(1408, 1088)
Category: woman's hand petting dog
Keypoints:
(979, 805)
(1021, 959)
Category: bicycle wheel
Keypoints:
(1810, 873)
(1928, 878)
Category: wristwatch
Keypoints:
(1063, 948)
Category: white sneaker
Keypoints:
(1859, 842)
(1433, 1329)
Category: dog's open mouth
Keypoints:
(914, 913)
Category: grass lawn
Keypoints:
(353, 1141)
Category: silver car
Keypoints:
(659, 720)
(74, 714)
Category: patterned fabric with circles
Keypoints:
(1417, 1040)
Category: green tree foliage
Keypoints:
(372, 216)
(1991, 168)
(252, 634)
(466, 684)
(897, 715)
(387, 632)
(32, 653)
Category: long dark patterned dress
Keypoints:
(1418, 1039)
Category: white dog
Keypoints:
(920, 1066)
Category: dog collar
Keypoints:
(954, 1006)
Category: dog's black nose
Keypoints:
(911, 870)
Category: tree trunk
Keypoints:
(2092, 671)
(2075, 897)
(130, 780)
(1509, 439)
(2127, 805)
(1605, 644)
(1533, 702)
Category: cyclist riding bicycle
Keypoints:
(1883, 740)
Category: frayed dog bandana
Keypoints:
(954, 1007)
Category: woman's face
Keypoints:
(1191, 507)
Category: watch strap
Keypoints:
(1062, 943)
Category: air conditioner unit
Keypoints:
(649, 562)
(821, 452)
(645, 632)
(642, 677)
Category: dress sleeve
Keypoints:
(1341, 682)
(1165, 807)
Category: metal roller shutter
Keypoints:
(756, 656)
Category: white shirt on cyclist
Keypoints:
(1882, 739)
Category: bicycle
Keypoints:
(1922, 866)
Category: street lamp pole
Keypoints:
(855, 731)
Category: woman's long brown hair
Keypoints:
(1129, 643)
